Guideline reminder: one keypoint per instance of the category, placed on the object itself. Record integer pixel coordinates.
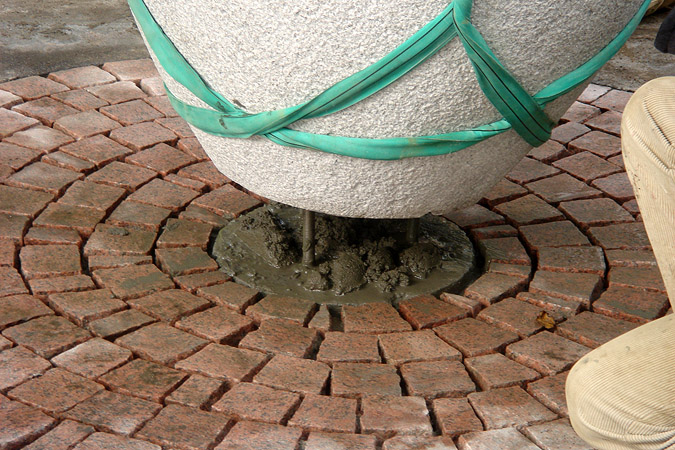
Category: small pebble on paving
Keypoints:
(118, 331)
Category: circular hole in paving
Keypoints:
(357, 260)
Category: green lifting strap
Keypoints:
(521, 111)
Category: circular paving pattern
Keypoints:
(118, 331)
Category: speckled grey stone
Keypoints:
(268, 55)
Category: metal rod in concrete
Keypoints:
(308, 238)
(412, 232)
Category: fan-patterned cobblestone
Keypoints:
(118, 331)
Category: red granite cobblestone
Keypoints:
(568, 132)
(373, 318)
(528, 210)
(133, 281)
(195, 281)
(13, 227)
(580, 112)
(42, 287)
(112, 261)
(512, 315)
(61, 216)
(348, 347)
(17, 309)
(554, 234)
(47, 336)
(100, 151)
(32, 87)
(566, 308)
(475, 216)
(364, 379)
(419, 442)
(550, 151)
(82, 77)
(11, 282)
(44, 177)
(550, 391)
(492, 287)
(509, 407)
(63, 437)
(161, 343)
(587, 166)
(161, 158)
(80, 99)
(646, 278)
(114, 413)
(455, 416)
(117, 92)
(576, 287)
(230, 294)
(169, 428)
(196, 392)
(426, 311)
(112, 240)
(289, 308)
(471, 306)
(18, 365)
(46, 110)
(303, 376)
(507, 250)
(595, 212)
(120, 323)
(170, 305)
(55, 391)
(609, 122)
(68, 162)
(11, 122)
(85, 124)
(266, 436)
(404, 415)
(47, 236)
(529, 169)
(616, 186)
(561, 188)
(93, 358)
(144, 379)
(16, 157)
(423, 345)
(134, 214)
(555, 435)
(504, 191)
(431, 379)
(142, 135)
(473, 337)
(504, 439)
(61, 260)
(624, 236)
(131, 112)
(547, 353)
(572, 259)
(593, 330)
(224, 362)
(496, 370)
(21, 424)
(219, 324)
(323, 413)
(251, 401)
(105, 441)
(599, 143)
(279, 336)
(634, 305)
(318, 440)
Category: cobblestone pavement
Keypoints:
(117, 330)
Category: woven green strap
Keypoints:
(522, 112)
